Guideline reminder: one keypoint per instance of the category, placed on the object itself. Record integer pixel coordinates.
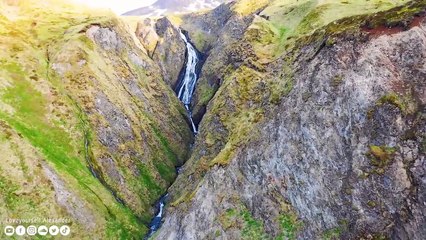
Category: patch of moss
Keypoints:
(241, 218)
(393, 99)
(381, 156)
(247, 7)
(206, 94)
(281, 91)
(289, 226)
(148, 182)
(165, 171)
(372, 204)
(336, 232)
(224, 156)
(336, 81)
(7, 190)
(228, 219)
(332, 234)
(202, 40)
(253, 228)
(165, 145)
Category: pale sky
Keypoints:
(118, 6)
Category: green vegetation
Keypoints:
(393, 99)
(51, 74)
(336, 232)
(247, 7)
(165, 171)
(289, 226)
(332, 234)
(202, 41)
(165, 146)
(336, 81)
(251, 228)
(403, 102)
(381, 156)
(148, 181)
(7, 190)
(206, 94)
(372, 204)
(287, 22)
(280, 89)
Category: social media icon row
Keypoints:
(33, 230)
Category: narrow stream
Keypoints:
(185, 91)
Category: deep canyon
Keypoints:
(260, 119)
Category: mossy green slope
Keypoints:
(61, 91)
(282, 23)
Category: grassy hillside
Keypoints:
(74, 105)
(282, 22)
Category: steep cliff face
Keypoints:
(89, 129)
(165, 47)
(216, 34)
(317, 133)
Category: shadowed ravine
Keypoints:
(185, 91)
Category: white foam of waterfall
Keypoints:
(189, 80)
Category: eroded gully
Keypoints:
(185, 91)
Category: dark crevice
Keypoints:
(156, 222)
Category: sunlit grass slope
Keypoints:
(51, 73)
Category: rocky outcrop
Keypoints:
(325, 141)
(216, 34)
(165, 47)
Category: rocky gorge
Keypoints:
(310, 118)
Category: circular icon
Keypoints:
(9, 230)
(65, 230)
(20, 230)
(31, 230)
(42, 230)
(54, 230)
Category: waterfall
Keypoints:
(156, 221)
(189, 81)
(184, 92)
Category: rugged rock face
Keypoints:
(90, 131)
(319, 138)
(216, 34)
(164, 45)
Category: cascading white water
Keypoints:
(186, 90)
(189, 80)
(156, 221)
